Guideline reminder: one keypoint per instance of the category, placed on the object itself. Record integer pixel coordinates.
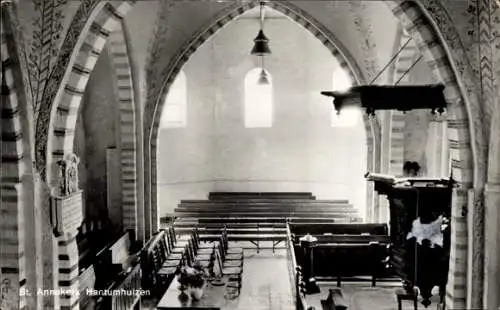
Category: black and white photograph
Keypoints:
(250, 155)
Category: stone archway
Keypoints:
(56, 122)
(119, 54)
(13, 167)
(85, 41)
(155, 104)
(418, 26)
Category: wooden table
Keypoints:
(213, 298)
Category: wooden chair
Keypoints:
(234, 274)
(228, 256)
(174, 259)
(202, 245)
(230, 260)
(176, 247)
(403, 294)
(230, 250)
(207, 249)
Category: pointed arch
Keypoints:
(12, 169)
(155, 102)
(461, 143)
(55, 125)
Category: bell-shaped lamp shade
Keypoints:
(261, 45)
(263, 79)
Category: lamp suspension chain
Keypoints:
(262, 15)
(391, 61)
(409, 69)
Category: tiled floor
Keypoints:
(266, 284)
(362, 296)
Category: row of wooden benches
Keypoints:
(259, 218)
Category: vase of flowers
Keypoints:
(192, 280)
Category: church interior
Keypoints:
(250, 155)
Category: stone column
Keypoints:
(492, 247)
(455, 290)
(68, 270)
(12, 260)
(385, 166)
(66, 217)
(491, 298)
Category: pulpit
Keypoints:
(420, 210)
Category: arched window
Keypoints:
(258, 100)
(174, 111)
(348, 116)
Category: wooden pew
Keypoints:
(344, 256)
(263, 201)
(338, 228)
(119, 268)
(276, 220)
(266, 195)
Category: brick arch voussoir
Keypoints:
(430, 46)
(81, 48)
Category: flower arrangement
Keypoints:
(192, 277)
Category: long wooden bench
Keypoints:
(261, 200)
(253, 220)
(262, 214)
(339, 228)
(277, 204)
(351, 251)
(266, 195)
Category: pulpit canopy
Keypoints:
(385, 97)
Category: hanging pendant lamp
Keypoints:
(261, 42)
(263, 79)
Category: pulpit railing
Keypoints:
(298, 287)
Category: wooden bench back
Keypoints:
(325, 239)
(339, 228)
(266, 195)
